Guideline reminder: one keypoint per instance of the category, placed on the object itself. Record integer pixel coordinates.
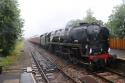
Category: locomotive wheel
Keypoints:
(69, 58)
(50, 48)
(92, 66)
(74, 60)
(100, 64)
(97, 65)
(112, 63)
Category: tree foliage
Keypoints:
(91, 19)
(10, 25)
(117, 21)
(88, 19)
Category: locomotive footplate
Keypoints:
(65, 44)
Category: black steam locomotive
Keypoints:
(87, 43)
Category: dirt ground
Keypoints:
(12, 74)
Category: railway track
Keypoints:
(107, 76)
(48, 70)
(110, 76)
(84, 79)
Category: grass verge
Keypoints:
(6, 61)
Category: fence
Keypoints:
(117, 43)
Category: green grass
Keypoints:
(6, 61)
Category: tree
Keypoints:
(88, 19)
(117, 21)
(10, 25)
(91, 19)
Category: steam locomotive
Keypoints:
(87, 43)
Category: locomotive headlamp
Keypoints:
(109, 50)
(90, 51)
(101, 49)
(86, 46)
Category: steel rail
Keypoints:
(57, 67)
(40, 69)
(117, 73)
(101, 77)
(111, 71)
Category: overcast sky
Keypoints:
(43, 16)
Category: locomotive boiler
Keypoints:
(87, 43)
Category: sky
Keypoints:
(41, 16)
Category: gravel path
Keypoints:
(12, 74)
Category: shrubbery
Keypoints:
(10, 25)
